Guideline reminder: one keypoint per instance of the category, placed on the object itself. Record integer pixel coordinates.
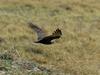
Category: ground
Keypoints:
(77, 52)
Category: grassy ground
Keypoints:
(78, 50)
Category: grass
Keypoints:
(75, 53)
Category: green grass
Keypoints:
(77, 52)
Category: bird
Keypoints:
(42, 37)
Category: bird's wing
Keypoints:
(41, 34)
(55, 35)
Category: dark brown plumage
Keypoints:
(42, 38)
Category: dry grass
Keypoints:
(78, 50)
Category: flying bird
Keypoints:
(42, 37)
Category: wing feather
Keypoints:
(41, 34)
(55, 35)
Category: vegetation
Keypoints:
(77, 52)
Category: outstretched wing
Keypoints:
(39, 31)
(55, 35)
